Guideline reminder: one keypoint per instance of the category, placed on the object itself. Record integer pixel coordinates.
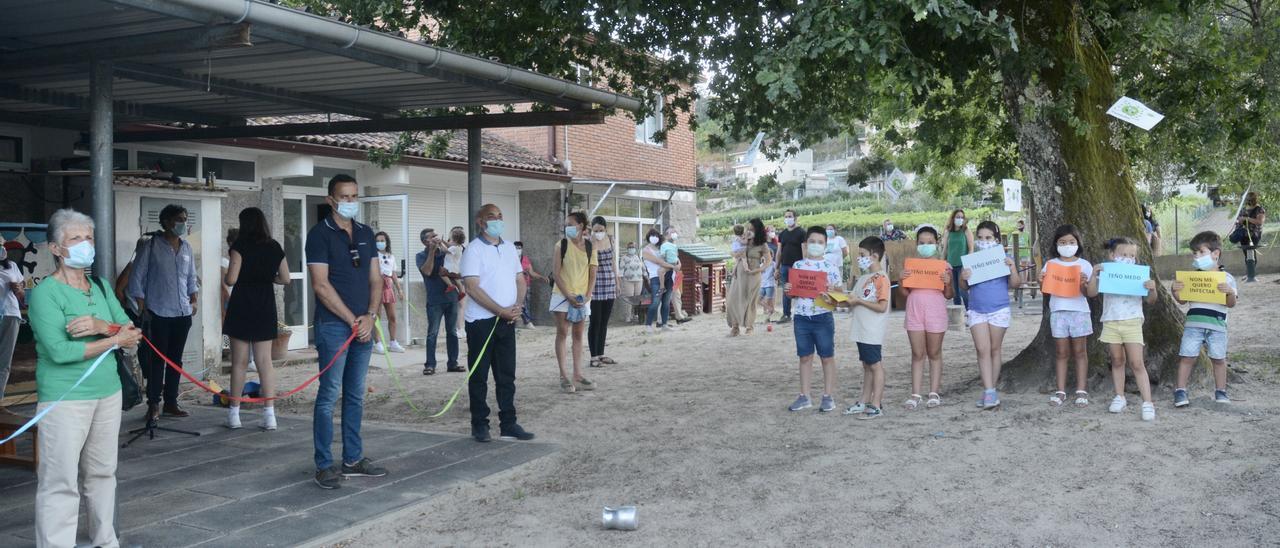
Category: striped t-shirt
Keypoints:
(1210, 316)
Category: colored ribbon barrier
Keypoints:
(206, 387)
(377, 324)
(55, 403)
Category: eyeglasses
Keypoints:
(355, 255)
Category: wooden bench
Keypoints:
(9, 451)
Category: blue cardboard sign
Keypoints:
(1124, 279)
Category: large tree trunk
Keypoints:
(1077, 174)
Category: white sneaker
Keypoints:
(253, 367)
(1118, 404)
(395, 347)
(269, 418)
(1148, 411)
(377, 348)
(462, 334)
(529, 325)
(233, 418)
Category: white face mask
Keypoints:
(986, 244)
(1068, 250)
(959, 222)
(598, 235)
(673, 236)
(864, 262)
(653, 240)
(888, 228)
(789, 221)
(1126, 260)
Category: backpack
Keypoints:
(564, 248)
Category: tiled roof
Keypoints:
(494, 150)
(150, 182)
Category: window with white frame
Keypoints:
(651, 124)
(582, 75)
(225, 169)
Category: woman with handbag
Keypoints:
(75, 321)
(1248, 233)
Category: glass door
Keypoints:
(390, 214)
(296, 308)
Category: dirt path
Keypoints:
(692, 428)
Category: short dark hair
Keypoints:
(926, 230)
(384, 235)
(815, 229)
(1208, 239)
(1066, 230)
(738, 230)
(423, 235)
(579, 217)
(793, 214)
(989, 225)
(519, 244)
(874, 245)
(253, 226)
(340, 179)
(171, 212)
(598, 220)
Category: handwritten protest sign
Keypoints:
(924, 273)
(1123, 279)
(1202, 287)
(1061, 280)
(984, 265)
(1012, 194)
(807, 283)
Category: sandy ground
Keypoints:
(691, 426)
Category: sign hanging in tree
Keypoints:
(1012, 194)
(1135, 113)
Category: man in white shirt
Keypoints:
(495, 286)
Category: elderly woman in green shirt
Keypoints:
(75, 321)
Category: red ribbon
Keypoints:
(300, 387)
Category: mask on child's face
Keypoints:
(926, 250)
(986, 244)
(1203, 262)
(1068, 250)
(864, 262)
(1126, 260)
(382, 246)
(816, 250)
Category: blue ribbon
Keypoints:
(46, 410)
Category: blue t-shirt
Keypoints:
(435, 282)
(989, 296)
(349, 260)
(670, 252)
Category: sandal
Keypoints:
(912, 403)
(567, 386)
(428, 370)
(934, 400)
(1057, 398)
(595, 362)
(1082, 398)
(607, 360)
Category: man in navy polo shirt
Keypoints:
(495, 283)
(442, 301)
(348, 287)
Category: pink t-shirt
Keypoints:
(525, 265)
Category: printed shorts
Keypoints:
(1070, 324)
(1122, 332)
(1193, 338)
(999, 318)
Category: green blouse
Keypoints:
(60, 359)
(957, 246)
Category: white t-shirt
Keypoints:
(835, 251)
(1121, 307)
(1078, 303)
(869, 325)
(8, 300)
(497, 267)
(453, 261)
(387, 264)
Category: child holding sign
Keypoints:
(1122, 320)
(1069, 319)
(870, 306)
(926, 322)
(989, 314)
(1206, 322)
(815, 328)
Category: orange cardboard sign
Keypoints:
(807, 283)
(1061, 280)
(924, 273)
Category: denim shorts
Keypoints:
(815, 333)
(767, 292)
(868, 354)
(1195, 337)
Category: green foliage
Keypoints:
(766, 189)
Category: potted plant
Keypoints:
(280, 348)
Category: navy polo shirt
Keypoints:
(435, 282)
(328, 244)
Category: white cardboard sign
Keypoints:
(984, 265)
(1135, 113)
(1012, 195)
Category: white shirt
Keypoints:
(8, 300)
(453, 261)
(1078, 303)
(1121, 307)
(835, 251)
(497, 267)
(387, 264)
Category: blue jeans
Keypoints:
(659, 303)
(962, 295)
(448, 310)
(782, 280)
(347, 373)
(525, 315)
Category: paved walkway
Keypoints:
(252, 488)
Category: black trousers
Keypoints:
(599, 328)
(170, 336)
(500, 357)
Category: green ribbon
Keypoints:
(377, 324)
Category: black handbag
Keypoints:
(126, 368)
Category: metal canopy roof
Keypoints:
(218, 62)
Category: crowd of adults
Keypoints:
(484, 286)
